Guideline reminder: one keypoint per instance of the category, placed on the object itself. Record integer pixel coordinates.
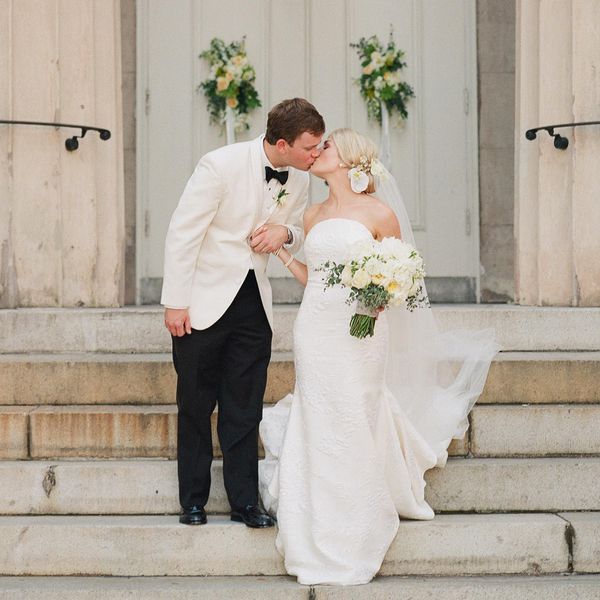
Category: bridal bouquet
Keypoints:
(379, 274)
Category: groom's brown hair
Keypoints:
(291, 118)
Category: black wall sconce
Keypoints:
(72, 143)
(560, 142)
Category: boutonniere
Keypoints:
(280, 197)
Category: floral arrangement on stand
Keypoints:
(230, 88)
(381, 85)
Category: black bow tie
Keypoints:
(281, 176)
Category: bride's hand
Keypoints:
(267, 238)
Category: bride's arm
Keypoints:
(296, 268)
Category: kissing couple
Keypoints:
(346, 453)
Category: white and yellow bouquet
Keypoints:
(379, 274)
(231, 82)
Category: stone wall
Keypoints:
(61, 213)
(128, 54)
(557, 191)
(496, 73)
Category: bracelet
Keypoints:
(290, 261)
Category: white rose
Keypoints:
(361, 279)
(346, 276)
(374, 266)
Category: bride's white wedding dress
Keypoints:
(346, 452)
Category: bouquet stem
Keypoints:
(362, 326)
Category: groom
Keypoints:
(242, 202)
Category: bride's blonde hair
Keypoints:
(355, 150)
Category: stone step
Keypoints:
(509, 587)
(158, 545)
(92, 378)
(125, 431)
(141, 329)
(532, 430)
(149, 486)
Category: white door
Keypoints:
(301, 48)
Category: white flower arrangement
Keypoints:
(381, 80)
(359, 173)
(231, 83)
(379, 274)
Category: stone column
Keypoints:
(557, 193)
(61, 213)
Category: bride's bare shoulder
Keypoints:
(384, 218)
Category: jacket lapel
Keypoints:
(257, 179)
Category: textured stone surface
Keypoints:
(543, 377)
(478, 544)
(535, 430)
(586, 541)
(144, 545)
(515, 484)
(149, 486)
(13, 432)
(548, 587)
(531, 377)
(109, 378)
(152, 588)
(91, 378)
(140, 329)
(122, 431)
(103, 431)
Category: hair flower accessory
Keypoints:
(359, 180)
(377, 169)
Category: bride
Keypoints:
(346, 453)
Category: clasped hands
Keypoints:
(268, 238)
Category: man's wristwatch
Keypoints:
(290, 237)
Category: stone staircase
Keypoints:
(87, 438)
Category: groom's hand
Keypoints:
(177, 321)
(268, 238)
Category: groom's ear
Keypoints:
(281, 145)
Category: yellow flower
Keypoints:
(222, 84)
(232, 102)
(392, 287)
(368, 69)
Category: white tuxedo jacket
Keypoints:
(207, 254)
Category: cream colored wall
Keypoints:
(61, 213)
(557, 193)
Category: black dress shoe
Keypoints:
(194, 515)
(252, 516)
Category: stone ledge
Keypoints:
(149, 486)
(491, 587)
(140, 329)
(447, 545)
(533, 430)
(94, 378)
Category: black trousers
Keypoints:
(225, 364)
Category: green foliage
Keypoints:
(231, 82)
(380, 80)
